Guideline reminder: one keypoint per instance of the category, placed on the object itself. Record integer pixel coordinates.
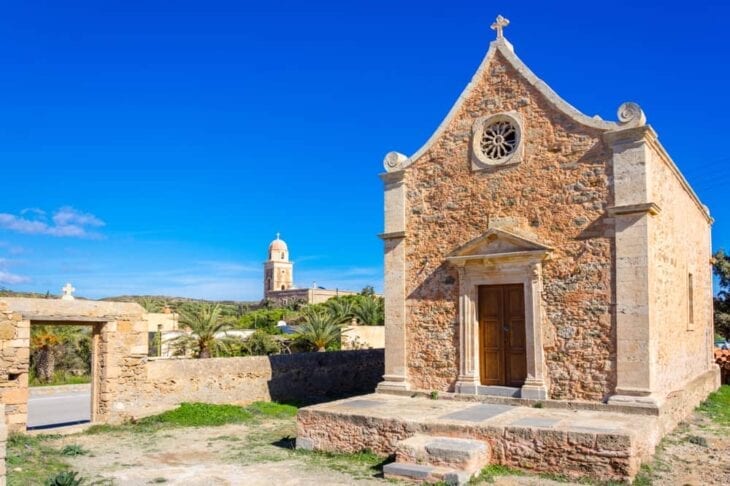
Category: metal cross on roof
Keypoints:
(499, 24)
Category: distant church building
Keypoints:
(279, 279)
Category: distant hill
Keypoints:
(153, 303)
(34, 295)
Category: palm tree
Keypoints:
(44, 340)
(204, 323)
(320, 328)
(150, 304)
(370, 311)
(341, 310)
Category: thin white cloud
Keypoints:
(10, 278)
(67, 222)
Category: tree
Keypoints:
(204, 323)
(150, 304)
(44, 341)
(342, 310)
(368, 291)
(320, 328)
(370, 311)
(721, 268)
(260, 344)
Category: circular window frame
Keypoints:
(479, 159)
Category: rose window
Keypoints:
(499, 140)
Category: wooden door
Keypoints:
(503, 357)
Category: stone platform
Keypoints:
(575, 443)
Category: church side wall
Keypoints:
(559, 193)
(680, 245)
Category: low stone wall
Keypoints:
(304, 377)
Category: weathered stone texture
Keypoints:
(680, 245)
(149, 387)
(559, 192)
(127, 384)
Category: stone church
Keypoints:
(532, 251)
(279, 280)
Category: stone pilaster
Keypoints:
(637, 348)
(396, 369)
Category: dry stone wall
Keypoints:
(559, 192)
(302, 377)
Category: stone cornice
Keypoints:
(622, 136)
(650, 208)
(529, 255)
(392, 235)
(646, 134)
(392, 178)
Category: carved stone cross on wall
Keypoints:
(499, 26)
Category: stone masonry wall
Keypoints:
(120, 344)
(302, 377)
(127, 384)
(14, 365)
(559, 192)
(680, 244)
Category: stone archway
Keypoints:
(119, 345)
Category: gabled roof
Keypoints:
(503, 46)
(498, 244)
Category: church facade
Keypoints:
(533, 251)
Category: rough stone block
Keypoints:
(405, 470)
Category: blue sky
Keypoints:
(156, 147)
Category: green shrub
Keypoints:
(260, 344)
(65, 478)
(74, 450)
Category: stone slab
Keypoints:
(361, 404)
(412, 471)
(536, 422)
(478, 413)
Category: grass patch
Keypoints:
(273, 409)
(200, 415)
(60, 378)
(489, 473)
(30, 459)
(72, 450)
(359, 465)
(717, 406)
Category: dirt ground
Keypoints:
(261, 454)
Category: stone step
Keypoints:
(425, 473)
(466, 455)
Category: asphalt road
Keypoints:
(58, 406)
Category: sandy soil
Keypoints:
(695, 454)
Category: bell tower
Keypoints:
(278, 270)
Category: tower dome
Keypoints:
(278, 270)
(278, 250)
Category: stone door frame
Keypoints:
(96, 368)
(524, 268)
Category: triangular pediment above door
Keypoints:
(498, 244)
